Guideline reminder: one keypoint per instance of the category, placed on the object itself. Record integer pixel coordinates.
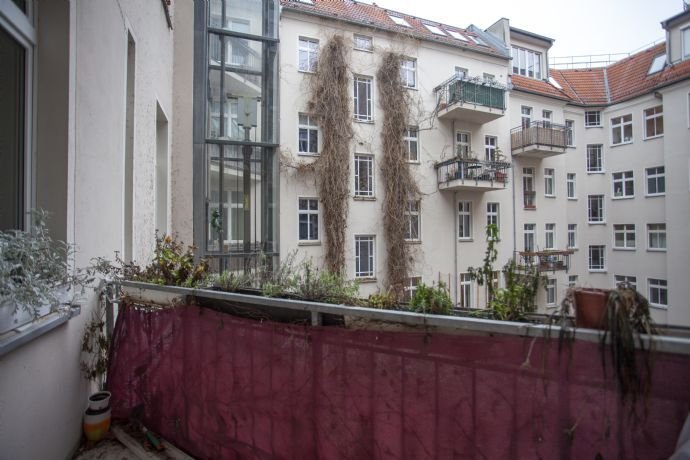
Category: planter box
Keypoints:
(590, 308)
(11, 319)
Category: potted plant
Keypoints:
(35, 274)
(590, 307)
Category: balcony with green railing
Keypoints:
(470, 99)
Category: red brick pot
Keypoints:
(590, 308)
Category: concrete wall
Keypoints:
(80, 91)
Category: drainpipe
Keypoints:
(512, 172)
(455, 243)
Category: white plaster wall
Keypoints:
(433, 257)
(674, 38)
(42, 393)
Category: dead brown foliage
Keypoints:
(330, 105)
(399, 185)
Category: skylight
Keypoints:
(457, 35)
(476, 40)
(657, 64)
(308, 2)
(399, 21)
(555, 83)
(434, 30)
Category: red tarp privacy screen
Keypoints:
(219, 386)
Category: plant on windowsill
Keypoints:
(35, 273)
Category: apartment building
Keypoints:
(596, 185)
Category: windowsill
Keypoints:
(364, 50)
(549, 196)
(655, 250)
(573, 249)
(308, 155)
(412, 88)
(654, 195)
(621, 143)
(597, 270)
(660, 307)
(597, 223)
(15, 338)
(311, 72)
(623, 197)
(366, 280)
(653, 137)
(625, 249)
(364, 198)
(572, 198)
(366, 122)
(309, 243)
(414, 162)
(465, 240)
(532, 208)
(596, 172)
(416, 242)
(594, 126)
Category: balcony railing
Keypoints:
(470, 173)
(547, 260)
(530, 199)
(485, 100)
(539, 134)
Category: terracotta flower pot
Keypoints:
(590, 308)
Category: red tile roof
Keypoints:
(374, 16)
(616, 83)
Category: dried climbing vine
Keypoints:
(330, 106)
(399, 185)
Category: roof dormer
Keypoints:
(678, 36)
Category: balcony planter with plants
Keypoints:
(590, 307)
(35, 274)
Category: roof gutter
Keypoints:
(391, 30)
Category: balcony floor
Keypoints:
(538, 151)
(471, 184)
(469, 112)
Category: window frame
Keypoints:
(526, 113)
(370, 192)
(370, 49)
(550, 287)
(311, 54)
(466, 299)
(572, 231)
(464, 213)
(460, 145)
(413, 208)
(629, 233)
(570, 133)
(573, 280)
(654, 117)
(601, 210)
(657, 232)
(549, 180)
(490, 150)
(598, 151)
(550, 233)
(685, 53)
(493, 216)
(309, 127)
(407, 71)
(571, 186)
(411, 285)
(532, 231)
(597, 116)
(523, 59)
(625, 178)
(630, 279)
(662, 286)
(602, 256)
(618, 123)
(408, 140)
(371, 240)
(656, 177)
(308, 212)
(367, 117)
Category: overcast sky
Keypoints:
(580, 27)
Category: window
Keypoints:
(411, 287)
(411, 141)
(658, 292)
(592, 119)
(572, 236)
(308, 209)
(550, 236)
(528, 237)
(362, 98)
(624, 236)
(572, 280)
(526, 115)
(364, 176)
(685, 42)
(570, 186)
(465, 290)
(658, 64)
(488, 78)
(550, 291)
(408, 72)
(434, 30)
(457, 35)
(596, 258)
(464, 220)
(569, 136)
(594, 158)
(308, 54)
(526, 62)
(399, 21)
(595, 205)
(529, 195)
(654, 122)
(365, 247)
(492, 215)
(656, 237)
(490, 152)
(412, 218)
(547, 117)
(463, 144)
(623, 185)
(548, 182)
(621, 279)
(308, 135)
(621, 130)
(461, 72)
(656, 180)
(363, 43)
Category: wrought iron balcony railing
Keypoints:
(546, 260)
(470, 170)
(542, 133)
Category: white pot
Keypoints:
(100, 400)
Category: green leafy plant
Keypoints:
(95, 343)
(384, 300)
(325, 286)
(485, 274)
(431, 299)
(33, 265)
(517, 299)
(230, 281)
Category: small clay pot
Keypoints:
(590, 308)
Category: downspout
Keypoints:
(455, 243)
(512, 172)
